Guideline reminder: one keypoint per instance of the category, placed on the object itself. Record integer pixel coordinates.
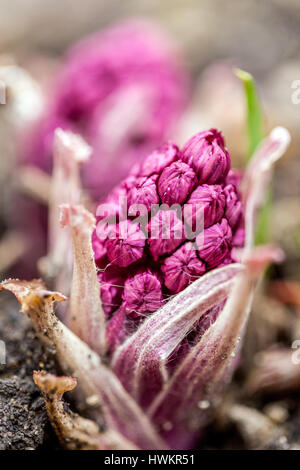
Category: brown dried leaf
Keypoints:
(73, 431)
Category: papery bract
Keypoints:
(85, 315)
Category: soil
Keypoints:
(24, 424)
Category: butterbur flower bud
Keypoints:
(127, 246)
(214, 244)
(98, 249)
(111, 288)
(118, 199)
(176, 183)
(207, 155)
(182, 268)
(239, 237)
(233, 209)
(172, 208)
(166, 233)
(142, 293)
(156, 161)
(205, 206)
(144, 192)
(234, 177)
(229, 259)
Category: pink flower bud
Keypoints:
(182, 268)
(176, 183)
(207, 155)
(159, 159)
(162, 180)
(228, 260)
(111, 288)
(130, 66)
(166, 233)
(115, 205)
(234, 208)
(239, 237)
(127, 246)
(215, 243)
(208, 204)
(144, 192)
(234, 177)
(99, 249)
(142, 293)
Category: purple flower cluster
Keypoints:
(141, 265)
(123, 89)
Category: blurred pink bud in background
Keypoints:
(123, 89)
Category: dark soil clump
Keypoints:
(23, 419)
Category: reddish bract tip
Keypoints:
(261, 256)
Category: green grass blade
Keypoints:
(254, 113)
(255, 136)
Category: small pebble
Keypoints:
(93, 400)
(203, 404)
(277, 412)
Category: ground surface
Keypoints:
(23, 419)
